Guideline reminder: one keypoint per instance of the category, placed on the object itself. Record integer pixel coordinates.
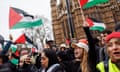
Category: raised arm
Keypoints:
(92, 56)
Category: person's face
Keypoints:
(78, 52)
(113, 49)
(62, 49)
(103, 38)
(44, 60)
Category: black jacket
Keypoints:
(28, 67)
(92, 54)
(8, 67)
(54, 68)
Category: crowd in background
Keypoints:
(88, 54)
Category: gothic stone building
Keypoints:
(109, 13)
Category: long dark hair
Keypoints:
(51, 56)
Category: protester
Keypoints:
(49, 43)
(81, 54)
(65, 60)
(62, 47)
(113, 50)
(92, 53)
(49, 62)
(103, 34)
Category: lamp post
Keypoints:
(70, 22)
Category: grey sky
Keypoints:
(35, 7)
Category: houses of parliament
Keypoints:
(67, 18)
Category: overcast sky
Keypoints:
(35, 7)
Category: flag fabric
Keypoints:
(15, 55)
(29, 40)
(33, 49)
(95, 24)
(20, 11)
(25, 20)
(18, 36)
(20, 39)
(15, 51)
(91, 3)
(83, 2)
(14, 17)
(68, 41)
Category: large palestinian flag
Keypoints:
(91, 3)
(95, 24)
(21, 19)
(18, 20)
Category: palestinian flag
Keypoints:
(91, 3)
(18, 36)
(24, 19)
(15, 54)
(82, 2)
(95, 24)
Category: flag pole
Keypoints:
(82, 13)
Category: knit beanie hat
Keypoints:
(112, 35)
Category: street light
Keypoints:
(70, 22)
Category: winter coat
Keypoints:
(8, 67)
(28, 67)
(92, 54)
(54, 68)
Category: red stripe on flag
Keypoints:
(68, 41)
(90, 22)
(17, 53)
(14, 17)
(33, 50)
(83, 2)
(21, 39)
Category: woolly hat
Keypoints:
(112, 35)
(81, 45)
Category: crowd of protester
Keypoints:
(88, 54)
